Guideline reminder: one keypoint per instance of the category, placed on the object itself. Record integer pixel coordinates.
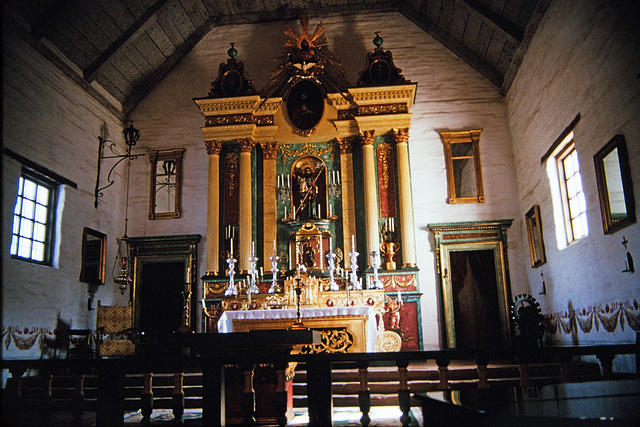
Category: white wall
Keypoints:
(450, 96)
(53, 122)
(584, 58)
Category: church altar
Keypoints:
(350, 329)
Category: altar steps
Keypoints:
(424, 377)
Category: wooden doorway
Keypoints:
(165, 280)
(474, 294)
(160, 300)
(474, 282)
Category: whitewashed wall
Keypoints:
(450, 96)
(54, 123)
(584, 58)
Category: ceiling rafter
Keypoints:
(93, 69)
(495, 21)
(458, 49)
(145, 88)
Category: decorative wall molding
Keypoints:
(608, 317)
(26, 338)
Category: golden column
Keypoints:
(246, 207)
(213, 208)
(348, 193)
(401, 137)
(370, 194)
(270, 204)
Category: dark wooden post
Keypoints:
(606, 362)
(319, 398)
(15, 388)
(46, 404)
(248, 396)
(443, 373)
(213, 403)
(364, 394)
(281, 392)
(77, 405)
(146, 398)
(111, 379)
(565, 367)
(524, 375)
(178, 397)
(483, 381)
(404, 397)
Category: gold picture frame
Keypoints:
(536, 242)
(615, 189)
(94, 249)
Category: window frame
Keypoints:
(567, 150)
(49, 235)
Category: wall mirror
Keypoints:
(166, 183)
(464, 174)
(536, 243)
(94, 248)
(617, 203)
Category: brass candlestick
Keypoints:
(298, 325)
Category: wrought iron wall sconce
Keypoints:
(131, 136)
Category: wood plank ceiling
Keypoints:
(129, 46)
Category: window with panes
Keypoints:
(575, 206)
(33, 218)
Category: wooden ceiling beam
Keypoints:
(147, 86)
(457, 48)
(93, 69)
(495, 21)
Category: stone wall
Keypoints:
(584, 59)
(54, 123)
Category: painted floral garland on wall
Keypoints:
(25, 338)
(609, 317)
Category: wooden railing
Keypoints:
(111, 377)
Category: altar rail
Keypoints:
(111, 373)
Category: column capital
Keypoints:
(269, 150)
(367, 137)
(246, 145)
(345, 145)
(213, 147)
(401, 136)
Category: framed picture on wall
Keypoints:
(534, 231)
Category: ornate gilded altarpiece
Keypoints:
(312, 165)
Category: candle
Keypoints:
(188, 275)
(232, 247)
(318, 210)
(353, 243)
(338, 174)
(331, 211)
(274, 246)
(289, 181)
(399, 296)
(261, 273)
(285, 211)
(298, 271)
(330, 244)
(253, 248)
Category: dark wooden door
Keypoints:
(160, 298)
(476, 308)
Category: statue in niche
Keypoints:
(309, 197)
(308, 256)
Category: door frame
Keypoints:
(470, 236)
(145, 251)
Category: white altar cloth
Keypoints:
(225, 323)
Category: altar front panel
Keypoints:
(337, 325)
